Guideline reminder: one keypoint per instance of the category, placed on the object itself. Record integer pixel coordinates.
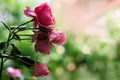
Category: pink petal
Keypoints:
(44, 15)
(42, 46)
(40, 70)
(36, 23)
(57, 37)
(61, 39)
(41, 6)
(14, 72)
(28, 12)
(34, 37)
(17, 73)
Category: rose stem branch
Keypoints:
(25, 39)
(1, 67)
(33, 29)
(8, 40)
(4, 50)
(22, 24)
(2, 62)
(24, 34)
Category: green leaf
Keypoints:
(2, 45)
(15, 50)
(27, 61)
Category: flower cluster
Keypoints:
(44, 35)
(43, 20)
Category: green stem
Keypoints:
(4, 50)
(27, 29)
(10, 37)
(24, 34)
(25, 39)
(22, 24)
(1, 67)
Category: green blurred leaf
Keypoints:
(2, 45)
(27, 61)
(15, 50)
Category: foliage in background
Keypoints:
(74, 60)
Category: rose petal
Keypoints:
(34, 37)
(14, 73)
(44, 15)
(42, 46)
(60, 39)
(40, 70)
(28, 12)
(36, 23)
(57, 37)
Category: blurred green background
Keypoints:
(83, 57)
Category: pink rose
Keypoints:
(42, 43)
(40, 70)
(14, 73)
(46, 37)
(42, 15)
(57, 37)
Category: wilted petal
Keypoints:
(40, 70)
(28, 12)
(42, 46)
(57, 37)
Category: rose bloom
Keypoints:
(40, 70)
(46, 37)
(42, 15)
(57, 37)
(14, 73)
